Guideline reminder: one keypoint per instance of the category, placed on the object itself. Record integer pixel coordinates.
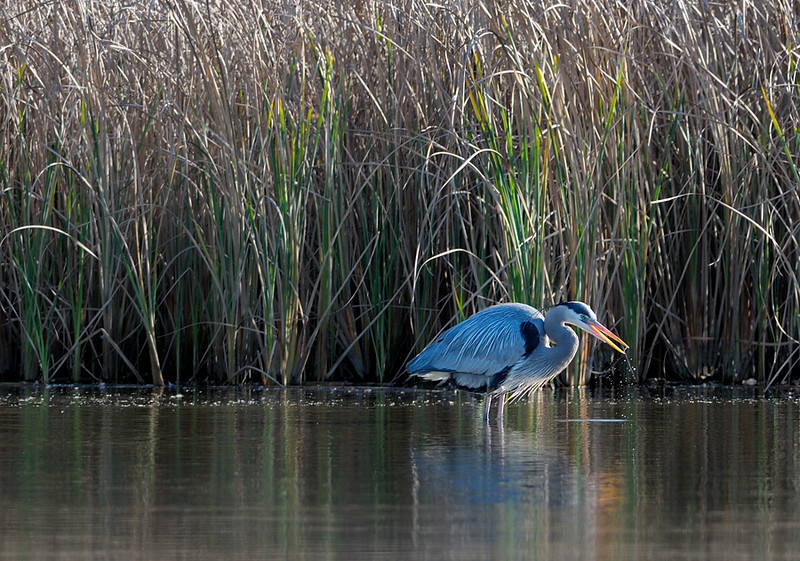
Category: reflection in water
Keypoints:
(532, 484)
(333, 473)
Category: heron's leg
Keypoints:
(488, 404)
(500, 407)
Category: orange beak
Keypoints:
(604, 334)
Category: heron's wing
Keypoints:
(485, 345)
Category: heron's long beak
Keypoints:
(604, 334)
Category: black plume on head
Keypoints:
(578, 308)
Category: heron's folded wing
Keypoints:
(485, 344)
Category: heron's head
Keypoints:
(583, 317)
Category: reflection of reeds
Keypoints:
(288, 192)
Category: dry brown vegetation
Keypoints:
(294, 191)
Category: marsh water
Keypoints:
(346, 473)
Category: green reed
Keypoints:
(305, 192)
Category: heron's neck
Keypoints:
(544, 362)
(564, 340)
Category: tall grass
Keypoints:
(225, 191)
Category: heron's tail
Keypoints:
(434, 375)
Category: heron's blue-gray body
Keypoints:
(505, 349)
(509, 349)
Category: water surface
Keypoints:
(331, 473)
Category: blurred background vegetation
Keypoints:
(292, 192)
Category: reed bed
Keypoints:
(300, 191)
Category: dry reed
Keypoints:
(295, 191)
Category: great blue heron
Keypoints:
(509, 349)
